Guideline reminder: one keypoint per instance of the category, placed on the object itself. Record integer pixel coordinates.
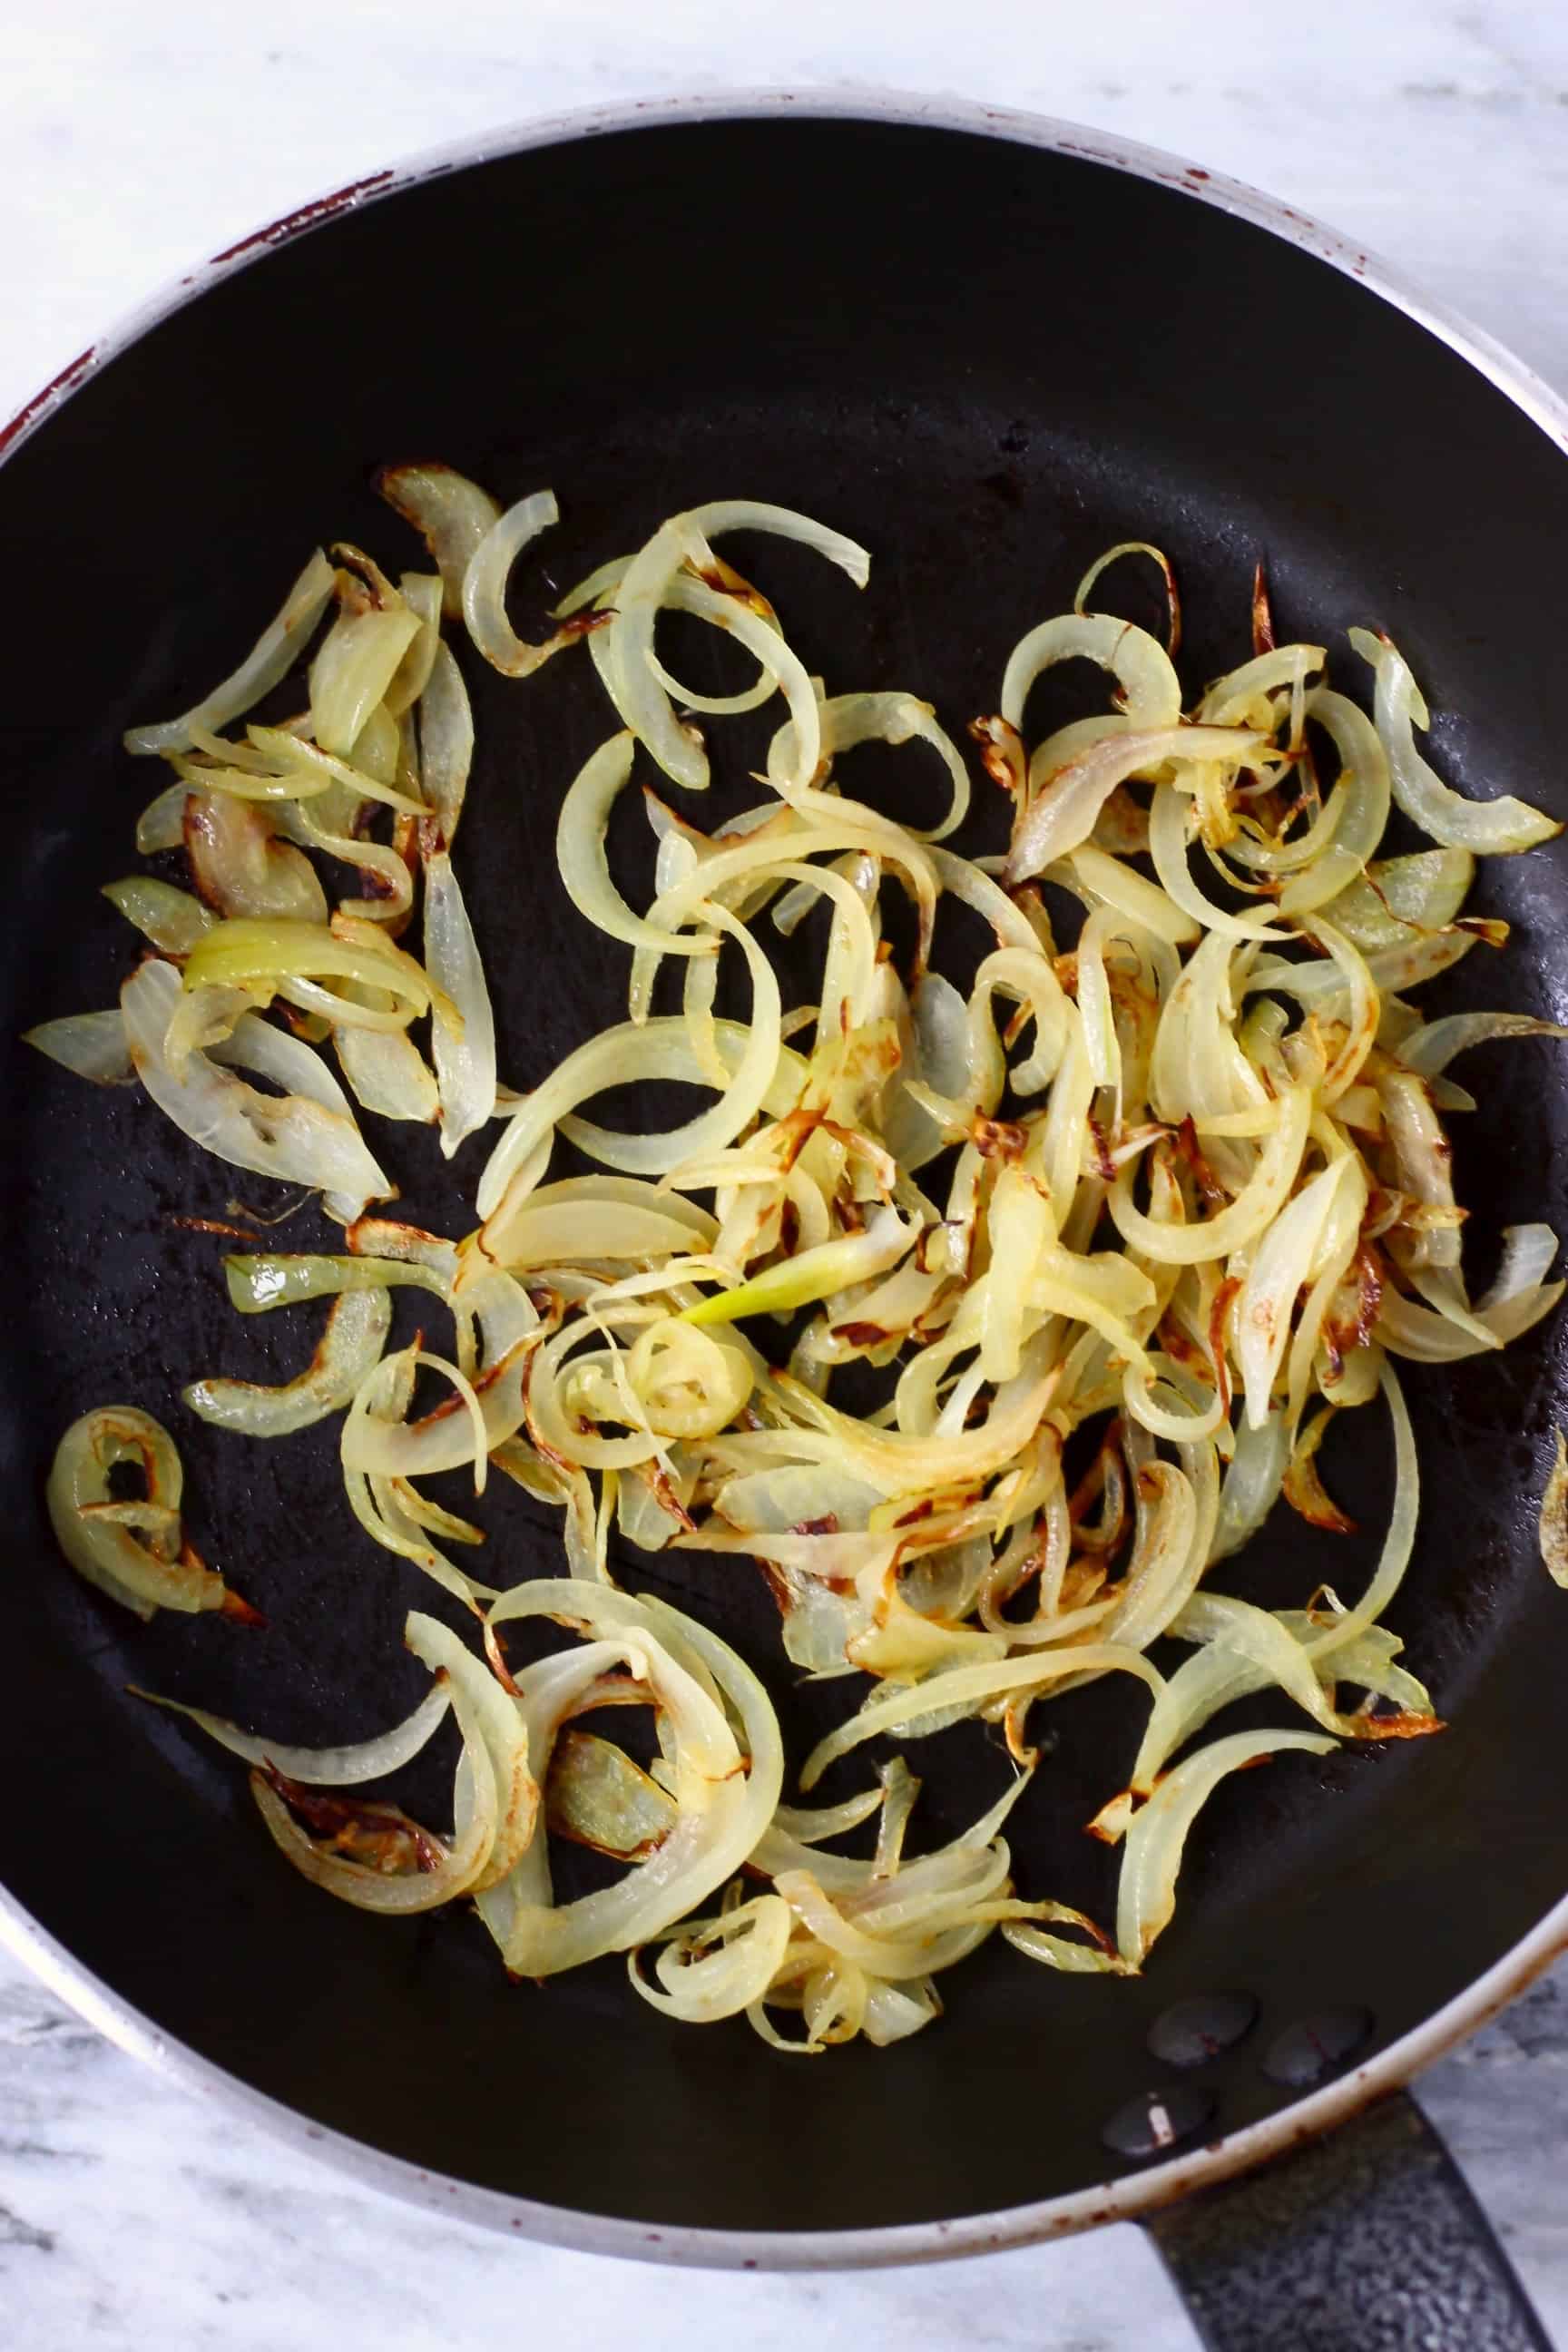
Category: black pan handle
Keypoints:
(1366, 2239)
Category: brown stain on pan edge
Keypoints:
(48, 397)
(279, 232)
(310, 216)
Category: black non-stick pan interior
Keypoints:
(988, 362)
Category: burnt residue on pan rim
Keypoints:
(845, 100)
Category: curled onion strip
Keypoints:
(300, 1140)
(350, 1347)
(463, 1048)
(585, 869)
(328, 1768)
(725, 1787)
(968, 1688)
(273, 654)
(1063, 816)
(452, 515)
(103, 1538)
(1139, 664)
(1362, 788)
(485, 584)
(1146, 1899)
(1253, 1208)
(642, 703)
(91, 1045)
(1492, 828)
(619, 1053)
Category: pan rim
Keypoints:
(1137, 2195)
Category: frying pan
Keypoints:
(988, 346)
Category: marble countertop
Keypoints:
(132, 141)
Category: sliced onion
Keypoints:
(973, 887)
(813, 1274)
(967, 1688)
(1170, 820)
(1489, 828)
(1121, 886)
(1399, 1540)
(388, 880)
(1362, 792)
(845, 826)
(585, 869)
(460, 1433)
(311, 769)
(490, 1720)
(1501, 1316)
(1146, 1899)
(687, 1384)
(258, 1283)
(92, 1045)
(1268, 1645)
(294, 1139)
(388, 1073)
(357, 1327)
(1303, 1488)
(725, 1792)
(392, 1511)
(1397, 897)
(531, 1232)
(204, 1017)
(1156, 556)
(1321, 982)
(1429, 1050)
(1150, 690)
(686, 594)
(1252, 1483)
(1281, 1266)
(451, 514)
(269, 659)
(1528, 1254)
(1423, 1156)
(1253, 1208)
(103, 1538)
(718, 1968)
(620, 1054)
(1553, 1521)
(1260, 1129)
(241, 867)
(597, 1797)
(485, 585)
(496, 1810)
(329, 1767)
(161, 825)
(358, 659)
(464, 1049)
(643, 703)
(170, 918)
(446, 742)
(300, 956)
(1063, 816)
(849, 719)
(423, 593)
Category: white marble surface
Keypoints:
(135, 140)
